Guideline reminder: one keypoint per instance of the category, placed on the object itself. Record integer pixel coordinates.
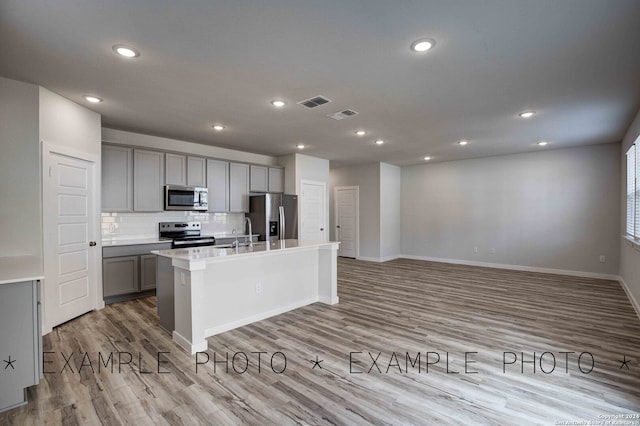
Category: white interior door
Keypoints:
(346, 219)
(70, 250)
(313, 205)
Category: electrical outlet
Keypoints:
(603, 258)
(475, 249)
(259, 287)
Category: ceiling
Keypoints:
(575, 62)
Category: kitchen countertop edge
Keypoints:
(14, 269)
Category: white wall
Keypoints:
(390, 214)
(20, 183)
(367, 178)
(155, 142)
(65, 123)
(629, 253)
(553, 209)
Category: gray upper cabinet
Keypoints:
(238, 187)
(117, 179)
(148, 180)
(196, 171)
(276, 179)
(218, 184)
(175, 169)
(259, 179)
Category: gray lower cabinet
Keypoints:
(19, 341)
(148, 272)
(129, 271)
(120, 275)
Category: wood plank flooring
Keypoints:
(386, 311)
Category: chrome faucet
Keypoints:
(235, 244)
(246, 219)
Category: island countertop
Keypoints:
(213, 253)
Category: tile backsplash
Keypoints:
(124, 226)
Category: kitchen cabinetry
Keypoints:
(238, 187)
(259, 179)
(129, 271)
(218, 184)
(117, 179)
(196, 171)
(276, 179)
(175, 169)
(148, 180)
(21, 342)
(266, 179)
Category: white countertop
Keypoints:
(212, 253)
(132, 241)
(14, 269)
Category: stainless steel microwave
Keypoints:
(185, 198)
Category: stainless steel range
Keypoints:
(184, 234)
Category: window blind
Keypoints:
(633, 192)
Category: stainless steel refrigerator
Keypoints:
(274, 216)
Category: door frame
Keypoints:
(335, 212)
(304, 182)
(95, 277)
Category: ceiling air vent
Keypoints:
(314, 102)
(342, 114)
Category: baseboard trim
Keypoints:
(633, 300)
(515, 267)
(378, 259)
(187, 345)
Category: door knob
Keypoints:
(92, 243)
(338, 226)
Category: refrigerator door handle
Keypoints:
(282, 224)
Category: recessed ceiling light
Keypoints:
(463, 142)
(126, 51)
(526, 114)
(423, 44)
(361, 133)
(427, 158)
(92, 99)
(379, 142)
(278, 103)
(542, 143)
(300, 146)
(218, 127)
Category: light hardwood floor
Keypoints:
(397, 307)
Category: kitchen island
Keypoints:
(218, 289)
